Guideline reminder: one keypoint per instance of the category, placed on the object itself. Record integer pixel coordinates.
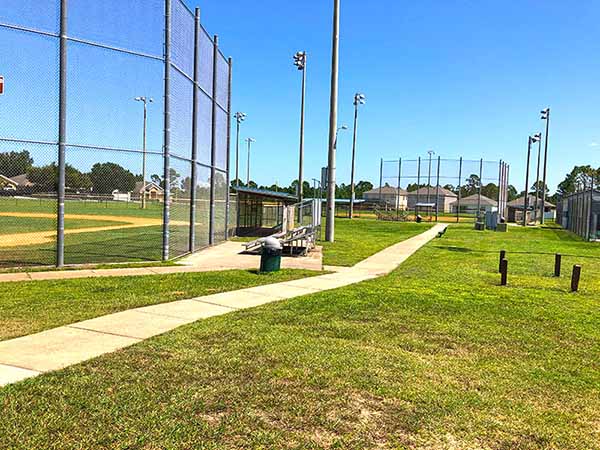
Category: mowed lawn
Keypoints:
(109, 246)
(435, 355)
(33, 306)
(358, 239)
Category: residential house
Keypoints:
(438, 197)
(469, 204)
(516, 207)
(388, 195)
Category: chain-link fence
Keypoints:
(435, 188)
(579, 212)
(114, 143)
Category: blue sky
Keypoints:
(464, 78)
(460, 77)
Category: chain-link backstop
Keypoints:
(88, 174)
(441, 189)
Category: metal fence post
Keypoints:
(380, 179)
(227, 204)
(418, 182)
(499, 190)
(480, 184)
(213, 171)
(591, 203)
(460, 162)
(398, 189)
(62, 135)
(167, 132)
(194, 174)
(437, 192)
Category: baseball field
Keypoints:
(95, 232)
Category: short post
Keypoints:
(575, 277)
(557, 263)
(502, 258)
(503, 272)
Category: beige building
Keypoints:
(390, 196)
(427, 195)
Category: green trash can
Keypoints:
(270, 257)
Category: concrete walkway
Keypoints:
(225, 256)
(61, 347)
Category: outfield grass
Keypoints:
(436, 355)
(16, 225)
(33, 306)
(358, 239)
(140, 244)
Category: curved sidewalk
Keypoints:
(54, 349)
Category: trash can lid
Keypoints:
(271, 243)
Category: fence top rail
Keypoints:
(426, 158)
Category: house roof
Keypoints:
(21, 180)
(474, 200)
(140, 186)
(386, 190)
(443, 192)
(8, 180)
(518, 203)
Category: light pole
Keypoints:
(430, 153)
(545, 116)
(239, 118)
(337, 132)
(300, 63)
(530, 140)
(537, 182)
(333, 110)
(145, 101)
(359, 99)
(249, 141)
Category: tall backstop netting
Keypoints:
(441, 189)
(114, 144)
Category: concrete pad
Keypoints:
(11, 374)
(189, 310)
(133, 324)
(58, 348)
(239, 299)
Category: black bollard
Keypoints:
(557, 262)
(503, 272)
(502, 258)
(575, 277)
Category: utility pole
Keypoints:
(359, 99)
(333, 104)
(300, 62)
(545, 116)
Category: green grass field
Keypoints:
(435, 355)
(34, 306)
(110, 246)
(358, 239)
(15, 225)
